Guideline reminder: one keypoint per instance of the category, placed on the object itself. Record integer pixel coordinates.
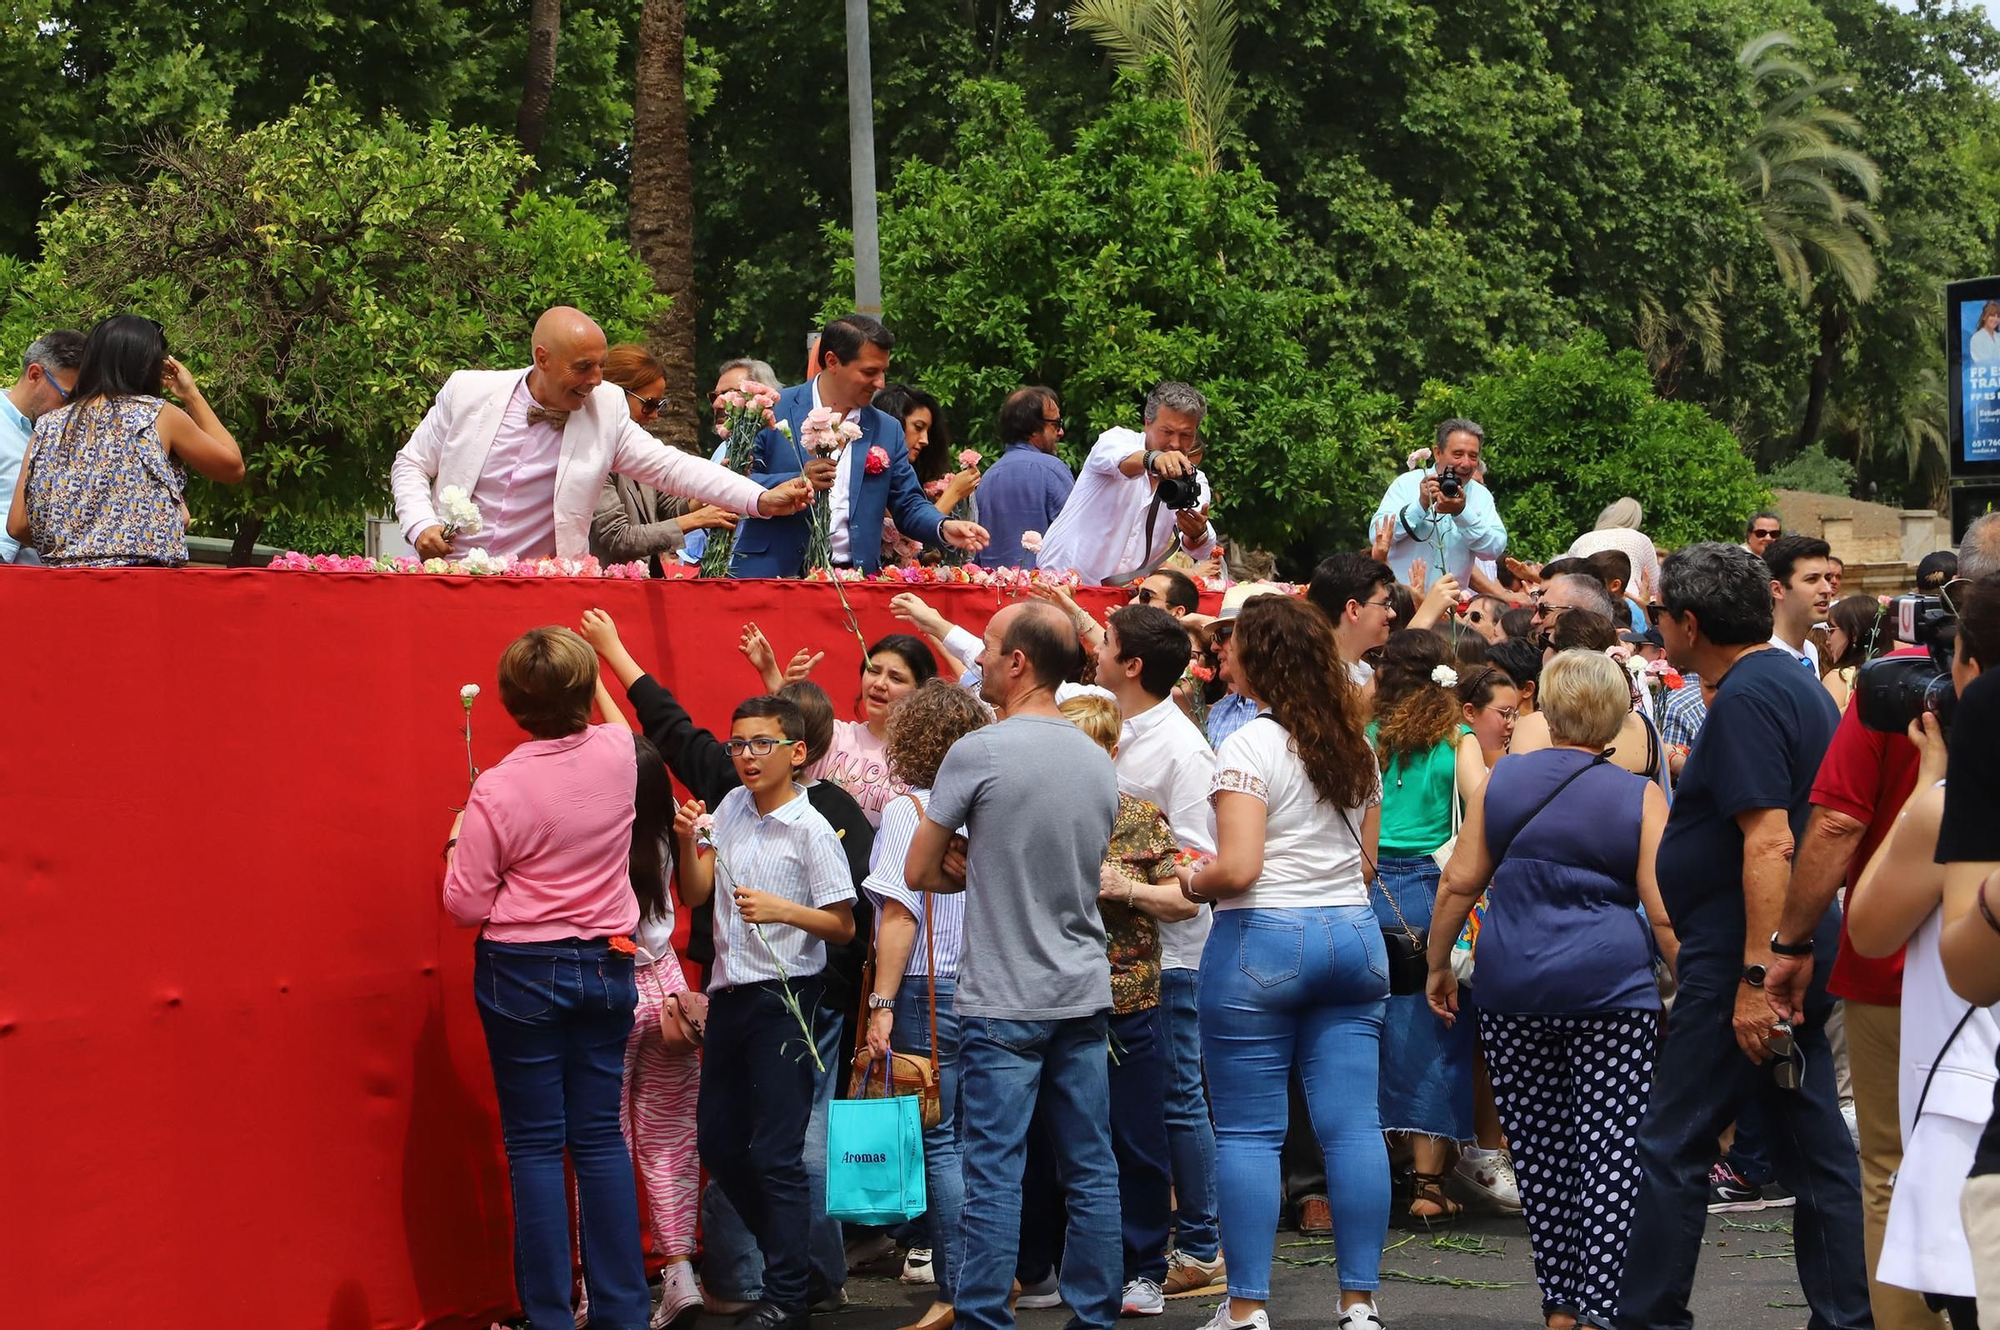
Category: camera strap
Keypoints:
(1147, 570)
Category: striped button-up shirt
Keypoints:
(791, 852)
(885, 883)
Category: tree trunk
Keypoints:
(531, 123)
(662, 210)
(242, 552)
(1832, 327)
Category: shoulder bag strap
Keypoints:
(1543, 805)
(930, 958)
(1937, 1062)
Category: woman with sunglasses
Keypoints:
(102, 484)
(635, 521)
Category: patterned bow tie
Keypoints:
(538, 414)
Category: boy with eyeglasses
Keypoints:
(782, 891)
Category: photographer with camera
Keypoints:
(1443, 511)
(1110, 529)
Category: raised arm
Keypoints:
(644, 458)
(696, 757)
(195, 435)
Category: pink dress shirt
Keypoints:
(516, 493)
(542, 852)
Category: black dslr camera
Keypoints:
(1893, 691)
(1449, 485)
(1178, 492)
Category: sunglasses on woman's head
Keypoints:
(650, 405)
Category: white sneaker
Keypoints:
(1221, 1320)
(1143, 1298)
(680, 1296)
(1491, 1174)
(917, 1267)
(1361, 1316)
(1040, 1295)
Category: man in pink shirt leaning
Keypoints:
(531, 449)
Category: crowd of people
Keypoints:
(1429, 888)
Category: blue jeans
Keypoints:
(732, 1267)
(1305, 988)
(1190, 1136)
(557, 1015)
(1701, 1083)
(1426, 1083)
(944, 1180)
(1138, 1080)
(1005, 1067)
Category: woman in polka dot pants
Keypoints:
(1568, 1010)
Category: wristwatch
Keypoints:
(1753, 975)
(1783, 948)
(876, 1002)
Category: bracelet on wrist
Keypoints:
(1986, 911)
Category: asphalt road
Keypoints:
(1476, 1276)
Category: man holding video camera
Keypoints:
(1111, 529)
(1442, 508)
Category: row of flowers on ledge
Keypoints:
(962, 574)
(476, 563)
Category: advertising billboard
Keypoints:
(1972, 360)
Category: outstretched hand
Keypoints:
(916, 611)
(1385, 531)
(599, 629)
(803, 664)
(756, 649)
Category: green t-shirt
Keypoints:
(1416, 798)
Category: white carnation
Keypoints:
(460, 513)
(1444, 676)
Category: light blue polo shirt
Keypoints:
(15, 431)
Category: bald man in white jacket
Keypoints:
(532, 447)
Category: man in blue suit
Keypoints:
(853, 360)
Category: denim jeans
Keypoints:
(556, 1016)
(1190, 1135)
(731, 1267)
(1283, 988)
(1005, 1068)
(1701, 1083)
(751, 1122)
(944, 1181)
(1138, 1082)
(1426, 1084)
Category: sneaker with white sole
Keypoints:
(917, 1267)
(1222, 1320)
(1361, 1316)
(1491, 1174)
(1041, 1295)
(1190, 1277)
(680, 1296)
(1143, 1298)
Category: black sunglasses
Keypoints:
(1222, 631)
(650, 405)
(1762, 534)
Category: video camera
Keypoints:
(1894, 690)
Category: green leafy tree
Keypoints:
(1815, 472)
(1572, 428)
(1105, 268)
(321, 277)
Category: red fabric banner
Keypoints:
(242, 1080)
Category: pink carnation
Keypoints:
(969, 459)
(1031, 541)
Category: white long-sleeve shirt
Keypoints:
(1101, 530)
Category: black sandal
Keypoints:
(1429, 1190)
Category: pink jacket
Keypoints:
(450, 445)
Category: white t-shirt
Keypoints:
(1359, 672)
(1311, 856)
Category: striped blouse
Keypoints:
(885, 882)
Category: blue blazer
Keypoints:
(776, 546)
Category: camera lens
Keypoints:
(1894, 691)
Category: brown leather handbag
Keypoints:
(908, 1073)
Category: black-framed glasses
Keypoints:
(1547, 612)
(1655, 612)
(1052, 420)
(650, 405)
(1386, 603)
(762, 745)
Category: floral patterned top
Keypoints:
(102, 490)
(1143, 847)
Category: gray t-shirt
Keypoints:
(1037, 798)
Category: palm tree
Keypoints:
(1198, 37)
(1797, 168)
(538, 85)
(661, 213)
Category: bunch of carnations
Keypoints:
(746, 410)
(460, 513)
(824, 434)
